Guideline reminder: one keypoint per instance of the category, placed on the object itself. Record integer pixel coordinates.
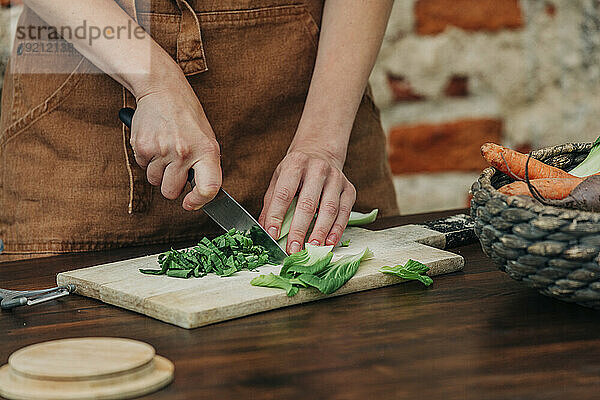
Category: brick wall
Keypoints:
(453, 74)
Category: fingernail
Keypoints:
(294, 247)
(190, 207)
(332, 239)
(315, 243)
(273, 232)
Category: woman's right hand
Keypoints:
(170, 135)
(170, 131)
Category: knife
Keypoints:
(227, 212)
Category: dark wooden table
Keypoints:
(476, 334)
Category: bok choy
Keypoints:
(338, 273)
(591, 164)
(311, 260)
(312, 267)
(412, 270)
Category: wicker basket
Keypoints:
(554, 250)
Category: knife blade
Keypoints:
(227, 212)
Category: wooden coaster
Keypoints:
(84, 368)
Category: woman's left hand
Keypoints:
(322, 188)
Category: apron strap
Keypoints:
(190, 50)
(140, 191)
(191, 59)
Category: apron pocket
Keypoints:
(44, 71)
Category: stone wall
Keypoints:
(453, 74)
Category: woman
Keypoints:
(264, 97)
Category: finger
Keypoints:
(207, 173)
(308, 201)
(141, 160)
(174, 180)
(328, 211)
(155, 171)
(347, 199)
(283, 193)
(267, 199)
(144, 150)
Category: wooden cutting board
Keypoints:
(195, 302)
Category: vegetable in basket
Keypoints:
(547, 184)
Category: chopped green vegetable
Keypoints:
(357, 219)
(340, 272)
(224, 255)
(152, 271)
(412, 270)
(345, 243)
(180, 273)
(275, 281)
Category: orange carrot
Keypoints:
(550, 188)
(494, 154)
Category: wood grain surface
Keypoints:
(190, 303)
(91, 368)
(475, 334)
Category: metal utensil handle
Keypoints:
(49, 296)
(16, 298)
(126, 117)
(7, 304)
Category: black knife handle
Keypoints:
(126, 117)
(191, 178)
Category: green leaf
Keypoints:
(358, 219)
(340, 272)
(311, 260)
(229, 271)
(412, 270)
(591, 164)
(275, 281)
(345, 243)
(152, 271)
(298, 282)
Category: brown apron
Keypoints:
(68, 179)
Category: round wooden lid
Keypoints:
(84, 368)
(81, 358)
